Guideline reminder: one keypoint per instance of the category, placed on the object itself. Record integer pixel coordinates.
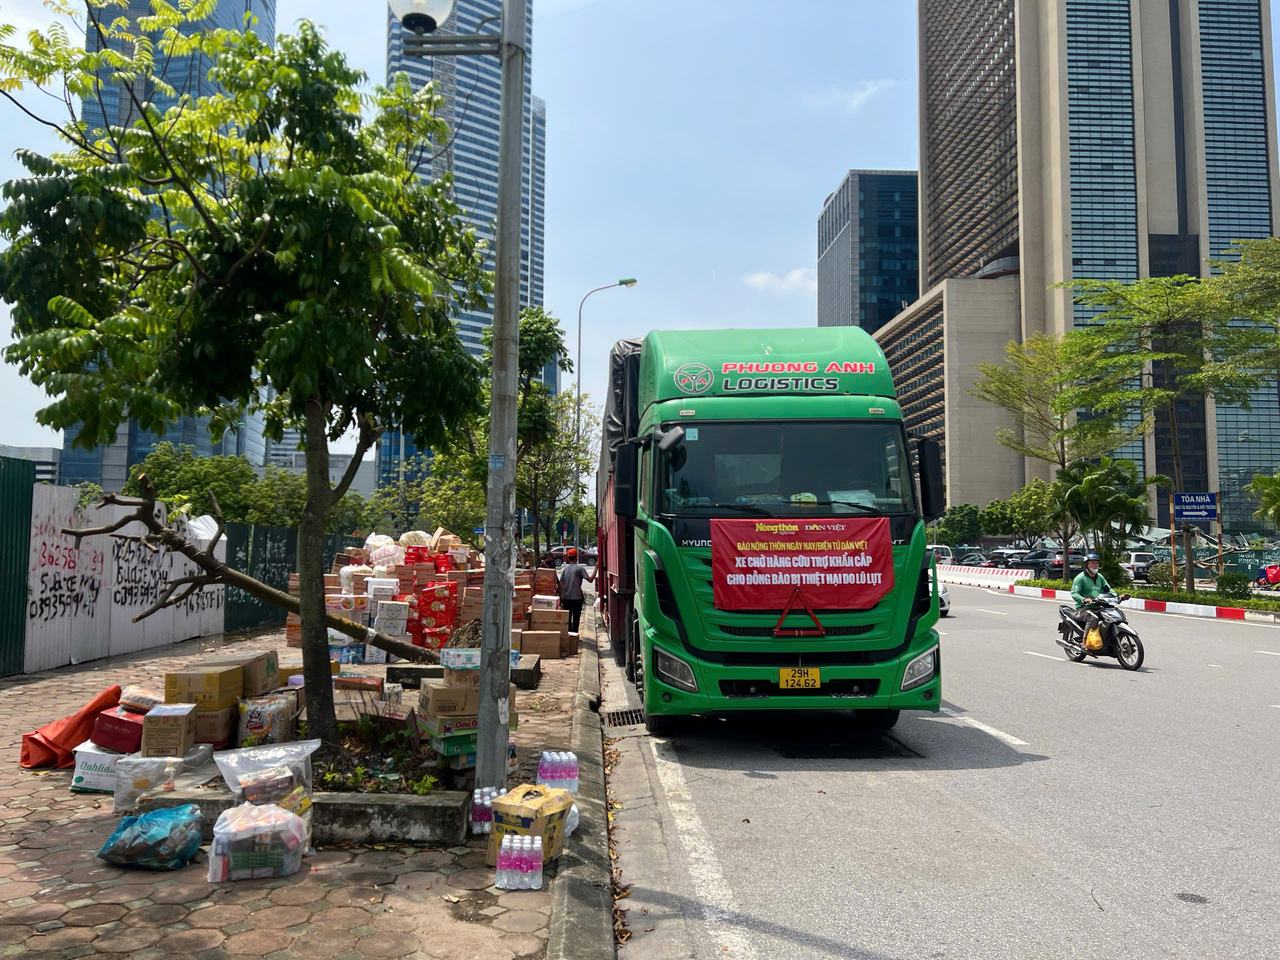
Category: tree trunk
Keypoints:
(321, 722)
(1176, 449)
(537, 522)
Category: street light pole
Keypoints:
(422, 17)
(577, 431)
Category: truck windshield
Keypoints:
(828, 467)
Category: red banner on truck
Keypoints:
(837, 564)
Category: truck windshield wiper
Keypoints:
(744, 507)
(869, 511)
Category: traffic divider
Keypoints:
(980, 576)
(1206, 611)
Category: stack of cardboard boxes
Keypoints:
(222, 691)
(448, 709)
(546, 630)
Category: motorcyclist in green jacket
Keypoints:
(1089, 585)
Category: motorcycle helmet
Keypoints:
(1092, 557)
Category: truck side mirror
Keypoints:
(671, 444)
(933, 486)
(626, 480)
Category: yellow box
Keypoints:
(210, 688)
(530, 811)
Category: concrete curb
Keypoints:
(582, 891)
(1206, 611)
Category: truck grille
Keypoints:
(856, 630)
(769, 688)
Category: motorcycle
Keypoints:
(1119, 640)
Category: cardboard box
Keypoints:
(346, 603)
(517, 635)
(461, 678)
(382, 588)
(392, 610)
(400, 720)
(442, 727)
(454, 746)
(460, 658)
(373, 684)
(292, 666)
(392, 627)
(439, 700)
(118, 729)
(95, 768)
(211, 688)
(374, 654)
(543, 643)
(530, 811)
(347, 652)
(217, 727)
(260, 673)
(568, 645)
(169, 730)
(548, 619)
(544, 601)
(463, 761)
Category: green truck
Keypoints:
(762, 527)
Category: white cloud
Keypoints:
(800, 280)
(851, 101)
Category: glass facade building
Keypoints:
(868, 249)
(1238, 158)
(472, 91)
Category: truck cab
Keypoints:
(751, 481)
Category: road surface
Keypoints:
(1054, 810)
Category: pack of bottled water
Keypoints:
(519, 863)
(558, 770)
(482, 809)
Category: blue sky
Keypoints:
(690, 144)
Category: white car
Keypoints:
(943, 553)
(944, 598)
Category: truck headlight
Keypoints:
(921, 669)
(671, 669)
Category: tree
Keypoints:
(1266, 490)
(1025, 516)
(1159, 341)
(277, 499)
(272, 235)
(548, 477)
(1108, 499)
(187, 482)
(1038, 384)
(347, 515)
(438, 491)
(961, 523)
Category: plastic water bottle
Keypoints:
(477, 805)
(520, 863)
(537, 864)
(486, 814)
(573, 772)
(571, 820)
(505, 873)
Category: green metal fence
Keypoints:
(268, 554)
(16, 480)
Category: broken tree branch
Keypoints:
(217, 573)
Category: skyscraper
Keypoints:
(108, 465)
(1114, 139)
(472, 90)
(868, 249)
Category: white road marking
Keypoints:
(985, 610)
(1269, 653)
(1047, 656)
(718, 905)
(998, 734)
(1218, 665)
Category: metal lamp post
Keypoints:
(577, 432)
(421, 18)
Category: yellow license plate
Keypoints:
(799, 678)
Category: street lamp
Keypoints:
(577, 433)
(420, 18)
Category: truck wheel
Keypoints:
(874, 721)
(661, 724)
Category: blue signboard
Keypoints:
(478, 530)
(1195, 506)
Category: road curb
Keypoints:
(582, 891)
(1204, 611)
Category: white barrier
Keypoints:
(81, 601)
(981, 576)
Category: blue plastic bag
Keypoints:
(159, 840)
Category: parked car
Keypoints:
(973, 560)
(944, 600)
(1138, 565)
(555, 556)
(1052, 569)
(942, 552)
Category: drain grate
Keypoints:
(624, 718)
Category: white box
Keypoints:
(382, 587)
(543, 601)
(393, 610)
(392, 626)
(460, 659)
(374, 654)
(95, 769)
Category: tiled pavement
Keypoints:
(57, 900)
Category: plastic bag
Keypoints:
(258, 762)
(388, 556)
(138, 775)
(376, 540)
(140, 699)
(254, 842)
(1094, 640)
(351, 578)
(269, 719)
(415, 538)
(159, 840)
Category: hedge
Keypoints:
(1205, 597)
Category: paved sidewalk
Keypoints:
(57, 900)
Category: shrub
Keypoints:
(1162, 575)
(1115, 573)
(1234, 586)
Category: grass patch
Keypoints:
(1206, 597)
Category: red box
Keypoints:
(118, 729)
